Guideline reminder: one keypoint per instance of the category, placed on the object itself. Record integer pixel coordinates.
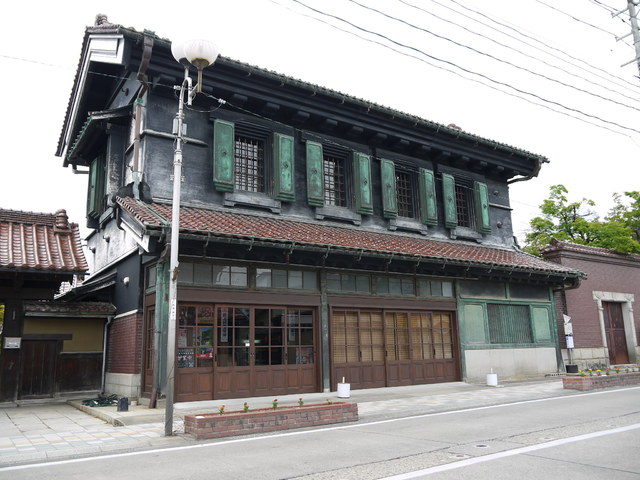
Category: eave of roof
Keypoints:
(108, 28)
(299, 233)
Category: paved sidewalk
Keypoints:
(45, 432)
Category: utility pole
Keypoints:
(633, 16)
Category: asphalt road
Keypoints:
(593, 435)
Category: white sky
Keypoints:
(39, 53)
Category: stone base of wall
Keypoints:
(215, 425)
(604, 381)
(123, 384)
(586, 358)
(510, 363)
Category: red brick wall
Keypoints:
(125, 345)
(606, 273)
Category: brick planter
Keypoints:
(214, 425)
(604, 381)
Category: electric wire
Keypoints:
(471, 72)
(554, 49)
(573, 17)
(608, 88)
(493, 57)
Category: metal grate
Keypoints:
(509, 323)
(465, 205)
(404, 193)
(249, 164)
(334, 181)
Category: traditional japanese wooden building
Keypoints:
(321, 237)
(48, 348)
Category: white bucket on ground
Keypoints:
(344, 390)
(492, 379)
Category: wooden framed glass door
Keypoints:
(264, 351)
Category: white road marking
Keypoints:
(305, 432)
(509, 453)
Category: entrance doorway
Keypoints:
(376, 348)
(37, 368)
(231, 351)
(615, 333)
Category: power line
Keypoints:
(575, 18)
(453, 64)
(466, 7)
(609, 88)
(493, 57)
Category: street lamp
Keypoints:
(201, 54)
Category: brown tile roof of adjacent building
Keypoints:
(245, 226)
(557, 246)
(41, 242)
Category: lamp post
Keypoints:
(201, 54)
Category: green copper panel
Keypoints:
(284, 164)
(482, 207)
(315, 176)
(449, 195)
(362, 180)
(389, 195)
(428, 203)
(223, 155)
(541, 325)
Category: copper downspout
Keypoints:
(142, 77)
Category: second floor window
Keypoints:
(334, 181)
(465, 204)
(249, 164)
(404, 192)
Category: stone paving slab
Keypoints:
(41, 432)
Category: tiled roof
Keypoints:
(245, 226)
(41, 242)
(557, 246)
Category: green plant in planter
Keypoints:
(582, 374)
(245, 407)
(221, 410)
(590, 372)
(274, 404)
(607, 372)
(300, 402)
(599, 372)
(617, 369)
(329, 402)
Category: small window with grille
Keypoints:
(465, 204)
(249, 165)
(405, 194)
(335, 188)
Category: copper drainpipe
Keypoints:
(142, 77)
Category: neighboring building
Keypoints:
(605, 328)
(48, 348)
(322, 236)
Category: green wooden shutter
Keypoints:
(223, 155)
(482, 207)
(449, 195)
(95, 193)
(315, 176)
(428, 204)
(389, 194)
(362, 178)
(284, 167)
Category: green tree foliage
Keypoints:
(577, 222)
